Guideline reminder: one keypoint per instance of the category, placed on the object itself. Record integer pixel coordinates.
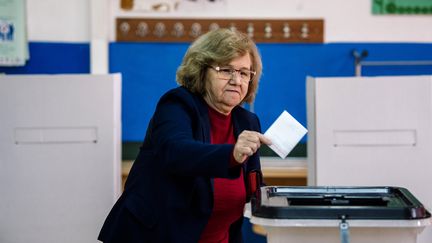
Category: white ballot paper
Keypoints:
(285, 133)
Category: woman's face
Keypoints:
(224, 94)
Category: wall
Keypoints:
(345, 20)
(60, 32)
(58, 21)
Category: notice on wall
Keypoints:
(13, 35)
(402, 7)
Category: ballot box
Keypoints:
(339, 214)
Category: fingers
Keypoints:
(264, 139)
(248, 143)
(239, 157)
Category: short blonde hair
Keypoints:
(217, 47)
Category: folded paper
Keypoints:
(285, 133)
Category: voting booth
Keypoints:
(60, 157)
(372, 131)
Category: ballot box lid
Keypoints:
(282, 202)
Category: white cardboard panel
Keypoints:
(382, 129)
(59, 156)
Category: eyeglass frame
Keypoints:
(233, 71)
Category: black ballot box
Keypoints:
(338, 214)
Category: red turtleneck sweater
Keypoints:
(229, 195)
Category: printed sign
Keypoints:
(13, 38)
(402, 7)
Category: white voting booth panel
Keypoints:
(372, 131)
(59, 156)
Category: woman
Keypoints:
(189, 180)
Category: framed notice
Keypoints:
(402, 7)
(13, 36)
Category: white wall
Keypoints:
(58, 20)
(345, 20)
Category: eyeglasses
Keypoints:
(227, 73)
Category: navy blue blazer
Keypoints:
(168, 195)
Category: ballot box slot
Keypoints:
(338, 200)
(300, 190)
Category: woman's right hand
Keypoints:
(248, 143)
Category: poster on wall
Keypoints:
(402, 7)
(13, 35)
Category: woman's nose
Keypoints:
(235, 78)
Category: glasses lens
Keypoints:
(245, 75)
(225, 73)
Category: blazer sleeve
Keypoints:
(176, 129)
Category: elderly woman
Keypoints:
(189, 180)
